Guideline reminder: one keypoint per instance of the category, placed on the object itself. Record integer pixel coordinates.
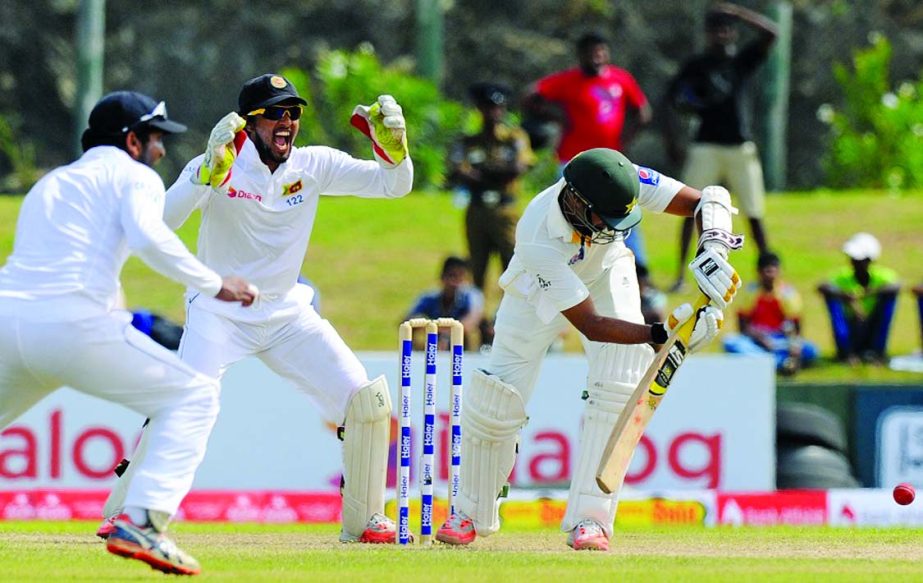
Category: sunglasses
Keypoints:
(160, 110)
(277, 112)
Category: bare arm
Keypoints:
(602, 329)
(644, 115)
(535, 104)
(764, 26)
(685, 202)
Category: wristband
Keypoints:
(659, 333)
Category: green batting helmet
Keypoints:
(609, 183)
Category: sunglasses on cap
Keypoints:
(160, 110)
(277, 112)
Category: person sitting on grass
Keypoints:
(770, 319)
(457, 299)
(918, 292)
(861, 301)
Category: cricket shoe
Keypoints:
(106, 528)
(457, 530)
(379, 530)
(146, 544)
(588, 535)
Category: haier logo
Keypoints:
(234, 193)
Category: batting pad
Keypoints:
(614, 374)
(494, 413)
(365, 456)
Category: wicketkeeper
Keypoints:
(571, 265)
(258, 194)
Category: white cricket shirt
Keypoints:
(76, 228)
(549, 268)
(261, 228)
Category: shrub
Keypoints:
(347, 78)
(876, 133)
(21, 157)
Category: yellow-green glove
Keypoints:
(220, 152)
(383, 123)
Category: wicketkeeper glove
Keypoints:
(716, 277)
(708, 322)
(224, 143)
(383, 123)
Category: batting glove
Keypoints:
(383, 123)
(708, 322)
(716, 277)
(224, 143)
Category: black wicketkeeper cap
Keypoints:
(266, 90)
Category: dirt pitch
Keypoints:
(49, 551)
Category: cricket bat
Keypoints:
(644, 401)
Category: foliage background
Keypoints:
(196, 55)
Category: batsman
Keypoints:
(571, 265)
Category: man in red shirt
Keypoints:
(593, 98)
(590, 102)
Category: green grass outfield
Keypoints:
(48, 551)
(370, 258)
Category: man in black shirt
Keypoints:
(712, 86)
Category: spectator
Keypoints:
(770, 320)
(590, 102)
(455, 299)
(861, 301)
(918, 292)
(488, 166)
(712, 86)
(161, 330)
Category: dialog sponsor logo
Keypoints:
(870, 507)
(235, 193)
(790, 508)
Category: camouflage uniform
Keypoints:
(490, 223)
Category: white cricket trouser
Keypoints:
(107, 358)
(299, 346)
(522, 339)
(520, 344)
(302, 348)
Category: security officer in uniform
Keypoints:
(488, 165)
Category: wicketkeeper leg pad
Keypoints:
(614, 373)
(493, 414)
(366, 436)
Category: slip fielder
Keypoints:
(58, 324)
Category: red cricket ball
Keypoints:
(904, 494)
